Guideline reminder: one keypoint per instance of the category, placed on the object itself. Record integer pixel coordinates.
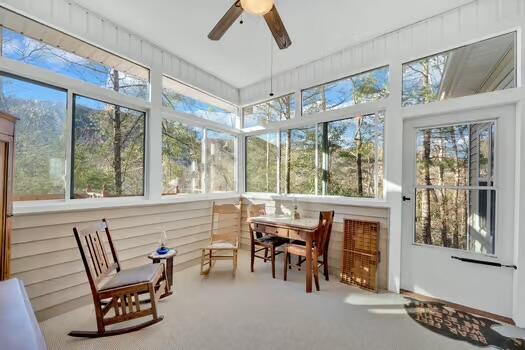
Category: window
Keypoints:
(455, 191)
(220, 161)
(181, 158)
(337, 158)
(39, 143)
(360, 88)
(280, 108)
(262, 161)
(108, 150)
(53, 50)
(352, 156)
(183, 98)
(298, 168)
(488, 65)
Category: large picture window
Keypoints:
(181, 158)
(455, 190)
(488, 65)
(50, 49)
(360, 88)
(39, 141)
(108, 150)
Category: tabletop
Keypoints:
(284, 220)
(169, 254)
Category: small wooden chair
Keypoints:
(266, 242)
(224, 236)
(326, 219)
(115, 289)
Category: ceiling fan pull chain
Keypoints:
(271, 66)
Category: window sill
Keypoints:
(43, 207)
(358, 202)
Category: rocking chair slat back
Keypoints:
(95, 258)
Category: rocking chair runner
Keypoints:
(118, 292)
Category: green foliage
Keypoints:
(96, 151)
(39, 148)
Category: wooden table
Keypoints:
(169, 264)
(284, 226)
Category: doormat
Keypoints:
(460, 325)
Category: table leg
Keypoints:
(169, 271)
(309, 263)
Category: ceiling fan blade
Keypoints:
(226, 21)
(277, 28)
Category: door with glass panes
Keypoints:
(458, 190)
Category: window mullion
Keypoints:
(69, 145)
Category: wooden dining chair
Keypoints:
(267, 243)
(116, 291)
(320, 247)
(224, 236)
(322, 258)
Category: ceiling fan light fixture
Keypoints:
(257, 7)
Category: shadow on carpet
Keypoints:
(459, 325)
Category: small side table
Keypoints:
(169, 263)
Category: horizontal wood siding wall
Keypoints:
(46, 258)
(341, 212)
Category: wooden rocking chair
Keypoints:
(117, 290)
(224, 237)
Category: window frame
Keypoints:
(517, 31)
(208, 99)
(379, 199)
(297, 111)
(71, 175)
(197, 122)
(369, 70)
(467, 188)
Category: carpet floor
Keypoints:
(253, 311)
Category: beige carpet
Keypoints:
(253, 311)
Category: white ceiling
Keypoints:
(242, 57)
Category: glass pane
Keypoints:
(181, 158)
(182, 98)
(108, 150)
(281, 108)
(39, 142)
(450, 156)
(352, 153)
(261, 163)
(486, 152)
(488, 65)
(132, 80)
(360, 88)
(454, 218)
(297, 171)
(220, 159)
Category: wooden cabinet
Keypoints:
(7, 151)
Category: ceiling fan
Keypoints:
(264, 8)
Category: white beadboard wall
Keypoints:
(310, 209)
(469, 23)
(46, 258)
(84, 24)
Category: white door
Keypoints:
(458, 187)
